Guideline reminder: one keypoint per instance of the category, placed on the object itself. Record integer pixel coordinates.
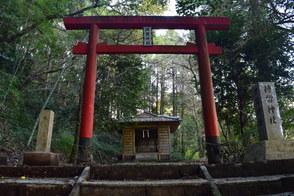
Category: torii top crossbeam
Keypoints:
(138, 22)
(202, 49)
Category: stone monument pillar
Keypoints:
(272, 145)
(42, 155)
(267, 112)
(45, 131)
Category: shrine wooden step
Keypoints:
(145, 171)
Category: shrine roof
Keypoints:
(150, 117)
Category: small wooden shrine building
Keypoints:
(147, 137)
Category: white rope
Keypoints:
(18, 61)
(44, 105)
(10, 84)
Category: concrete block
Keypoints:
(40, 158)
(270, 150)
(146, 156)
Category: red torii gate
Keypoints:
(200, 24)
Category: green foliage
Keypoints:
(187, 142)
(139, 7)
(120, 88)
(257, 47)
(63, 142)
(106, 146)
(35, 49)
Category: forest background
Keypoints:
(38, 70)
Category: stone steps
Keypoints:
(146, 188)
(151, 179)
(145, 171)
(227, 186)
(38, 180)
(35, 186)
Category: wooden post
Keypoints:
(212, 133)
(129, 150)
(88, 100)
(45, 131)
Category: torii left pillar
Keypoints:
(212, 132)
(87, 115)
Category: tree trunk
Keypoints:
(157, 93)
(74, 150)
(162, 92)
(198, 130)
(183, 146)
(174, 96)
(182, 101)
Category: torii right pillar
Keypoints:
(212, 132)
